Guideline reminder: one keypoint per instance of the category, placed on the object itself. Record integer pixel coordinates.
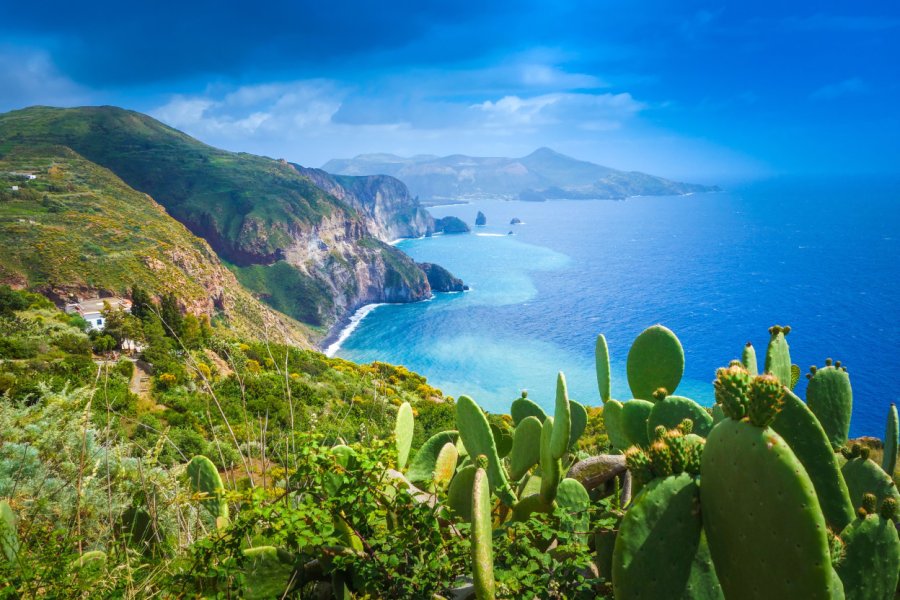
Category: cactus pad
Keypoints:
(803, 433)
(658, 541)
(574, 499)
(526, 449)
(459, 494)
(475, 433)
(445, 465)
(579, 422)
(871, 558)
(422, 467)
(601, 356)
(403, 433)
(778, 354)
(756, 495)
(671, 411)
(551, 468)
(523, 407)
(612, 420)
(863, 477)
(655, 360)
(205, 479)
(482, 531)
(831, 399)
(635, 414)
(562, 419)
(9, 537)
(748, 359)
(891, 436)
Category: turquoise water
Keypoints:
(718, 269)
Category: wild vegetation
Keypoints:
(254, 469)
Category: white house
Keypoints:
(15, 188)
(92, 310)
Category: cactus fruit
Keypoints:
(403, 433)
(802, 431)
(205, 479)
(732, 390)
(648, 563)
(9, 537)
(422, 467)
(475, 433)
(778, 355)
(655, 360)
(579, 422)
(526, 449)
(266, 574)
(830, 397)
(523, 407)
(863, 476)
(601, 356)
(562, 419)
(748, 359)
(459, 494)
(482, 531)
(755, 495)
(870, 560)
(612, 420)
(672, 410)
(891, 436)
(634, 421)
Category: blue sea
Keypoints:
(718, 269)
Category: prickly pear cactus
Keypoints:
(891, 436)
(658, 542)
(551, 468)
(670, 411)
(755, 495)
(422, 467)
(482, 530)
(475, 433)
(830, 397)
(524, 407)
(748, 359)
(803, 433)
(9, 537)
(612, 420)
(445, 466)
(574, 499)
(526, 449)
(655, 360)
(403, 433)
(562, 419)
(778, 354)
(604, 377)
(871, 555)
(863, 476)
(204, 479)
(635, 414)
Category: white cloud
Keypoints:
(30, 77)
(596, 112)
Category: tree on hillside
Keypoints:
(171, 316)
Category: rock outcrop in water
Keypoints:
(451, 225)
(441, 280)
(515, 221)
(480, 220)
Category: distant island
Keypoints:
(542, 175)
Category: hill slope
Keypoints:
(542, 175)
(77, 230)
(311, 255)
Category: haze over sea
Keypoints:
(718, 269)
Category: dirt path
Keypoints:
(140, 380)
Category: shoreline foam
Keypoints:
(355, 319)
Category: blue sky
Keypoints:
(700, 90)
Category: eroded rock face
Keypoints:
(442, 280)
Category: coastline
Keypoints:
(343, 328)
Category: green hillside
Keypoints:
(77, 230)
(253, 211)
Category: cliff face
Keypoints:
(312, 250)
(441, 280)
(392, 213)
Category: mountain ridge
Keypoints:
(541, 175)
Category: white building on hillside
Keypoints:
(92, 310)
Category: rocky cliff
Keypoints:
(441, 280)
(299, 248)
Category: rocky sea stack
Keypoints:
(442, 280)
(480, 220)
(451, 225)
